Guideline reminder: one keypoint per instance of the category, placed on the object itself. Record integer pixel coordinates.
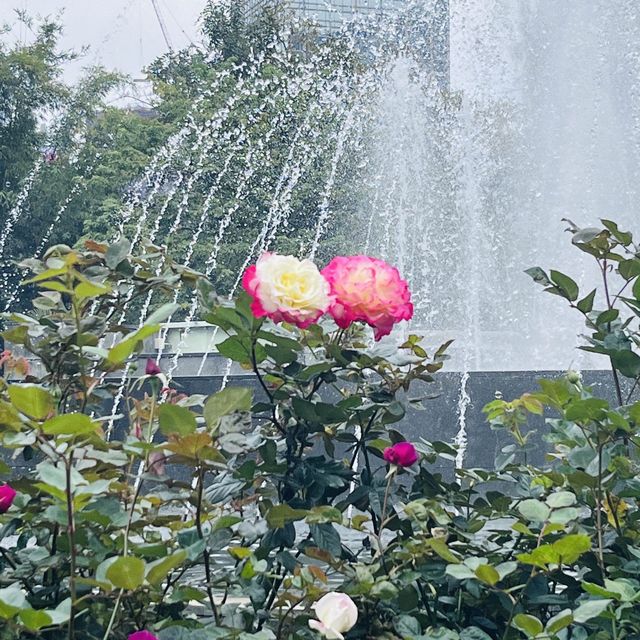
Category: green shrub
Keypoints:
(307, 488)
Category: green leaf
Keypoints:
(590, 609)
(534, 510)
(45, 275)
(559, 621)
(441, 548)
(88, 290)
(158, 571)
(225, 402)
(162, 313)
(597, 590)
(607, 317)
(586, 304)
(568, 286)
(564, 515)
(324, 514)
(385, 590)
(327, 538)
(32, 400)
(487, 574)
(530, 625)
(236, 349)
(175, 419)
(71, 424)
(626, 362)
(126, 573)
(474, 633)
(281, 514)
(117, 252)
(123, 350)
(539, 276)
(623, 237)
(564, 551)
(586, 409)
(629, 269)
(561, 499)
(11, 601)
(407, 626)
(459, 571)
(34, 619)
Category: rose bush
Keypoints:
(297, 509)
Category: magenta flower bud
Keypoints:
(142, 635)
(402, 454)
(152, 368)
(7, 494)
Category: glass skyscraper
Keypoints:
(328, 13)
(433, 38)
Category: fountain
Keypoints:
(473, 133)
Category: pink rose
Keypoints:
(402, 454)
(367, 290)
(152, 368)
(286, 289)
(142, 635)
(7, 494)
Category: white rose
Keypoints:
(286, 288)
(337, 614)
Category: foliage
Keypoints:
(291, 494)
(101, 160)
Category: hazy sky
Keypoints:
(121, 34)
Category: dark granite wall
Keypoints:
(440, 419)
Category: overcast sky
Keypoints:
(121, 34)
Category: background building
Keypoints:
(328, 13)
(432, 39)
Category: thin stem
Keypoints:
(14, 566)
(256, 370)
(132, 508)
(616, 379)
(599, 507)
(374, 517)
(71, 534)
(284, 617)
(205, 553)
(112, 620)
(383, 513)
(633, 388)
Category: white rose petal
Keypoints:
(337, 614)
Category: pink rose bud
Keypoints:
(152, 368)
(142, 635)
(7, 494)
(402, 454)
(369, 290)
